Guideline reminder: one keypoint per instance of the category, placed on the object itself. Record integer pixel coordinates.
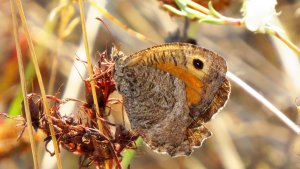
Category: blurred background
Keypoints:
(246, 134)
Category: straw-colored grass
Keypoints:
(40, 81)
(90, 71)
(23, 84)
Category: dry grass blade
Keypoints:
(90, 69)
(285, 40)
(40, 80)
(226, 149)
(23, 84)
(53, 73)
(119, 23)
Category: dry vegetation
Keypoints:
(246, 133)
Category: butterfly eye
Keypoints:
(198, 64)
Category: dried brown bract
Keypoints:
(105, 85)
(79, 136)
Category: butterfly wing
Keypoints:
(156, 104)
(168, 98)
(202, 83)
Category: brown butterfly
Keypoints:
(169, 91)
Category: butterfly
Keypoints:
(169, 92)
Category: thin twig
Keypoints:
(212, 16)
(264, 101)
(23, 84)
(40, 81)
(285, 40)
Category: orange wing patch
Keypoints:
(193, 84)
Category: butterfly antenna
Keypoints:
(77, 58)
(113, 40)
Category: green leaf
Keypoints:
(128, 154)
(212, 20)
(174, 10)
(213, 11)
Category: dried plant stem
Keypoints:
(66, 26)
(181, 162)
(40, 80)
(285, 40)
(54, 69)
(119, 23)
(227, 151)
(90, 70)
(23, 85)
(264, 101)
(89, 60)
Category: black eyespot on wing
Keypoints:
(198, 64)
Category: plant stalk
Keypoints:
(40, 80)
(23, 84)
(90, 71)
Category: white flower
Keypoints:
(258, 14)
